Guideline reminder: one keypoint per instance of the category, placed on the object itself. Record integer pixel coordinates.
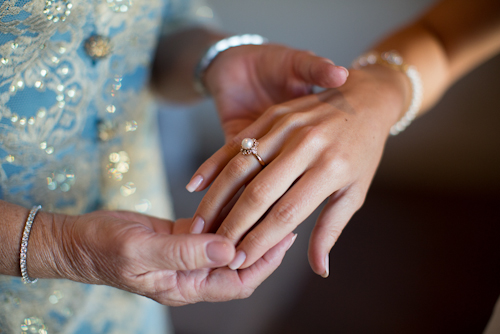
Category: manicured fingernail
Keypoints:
(291, 242)
(238, 260)
(345, 69)
(218, 252)
(327, 267)
(197, 225)
(194, 183)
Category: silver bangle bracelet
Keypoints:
(24, 245)
(214, 50)
(393, 60)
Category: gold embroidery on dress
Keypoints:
(45, 57)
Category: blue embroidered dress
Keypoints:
(77, 134)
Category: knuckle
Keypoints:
(284, 214)
(180, 255)
(208, 205)
(341, 165)
(234, 144)
(229, 232)
(128, 242)
(278, 110)
(314, 136)
(257, 194)
(335, 163)
(257, 242)
(292, 120)
(237, 167)
(311, 141)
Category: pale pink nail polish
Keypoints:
(327, 267)
(238, 260)
(291, 243)
(345, 69)
(194, 183)
(197, 225)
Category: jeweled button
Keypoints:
(98, 47)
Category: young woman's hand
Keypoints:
(318, 146)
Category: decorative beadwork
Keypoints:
(57, 10)
(119, 6)
(107, 130)
(119, 165)
(62, 179)
(49, 56)
(33, 325)
(143, 206)
(128, 189)
(131, 126)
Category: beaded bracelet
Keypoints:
(214, 50)
(24, 245)
(393, 60)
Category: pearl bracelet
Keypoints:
(214, 50)
(393, 60)
(24, 245)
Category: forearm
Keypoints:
(175, 60)
(42, 251)
(448, 41)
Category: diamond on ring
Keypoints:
(249, 146)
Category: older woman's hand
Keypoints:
(156, 258)
(321, 145)
(246, 80)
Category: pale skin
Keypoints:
(328, 145)
(154, 257)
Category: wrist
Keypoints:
(45, 249)
(221, 47)
(387, 92)
(394, 61)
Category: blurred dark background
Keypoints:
(423, 254)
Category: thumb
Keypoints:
(190, 251)
(318, 71)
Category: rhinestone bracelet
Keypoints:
(393, 60)
(214, 50)
(24, 245)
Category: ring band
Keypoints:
(249, 146)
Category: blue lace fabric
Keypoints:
(77, 133)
